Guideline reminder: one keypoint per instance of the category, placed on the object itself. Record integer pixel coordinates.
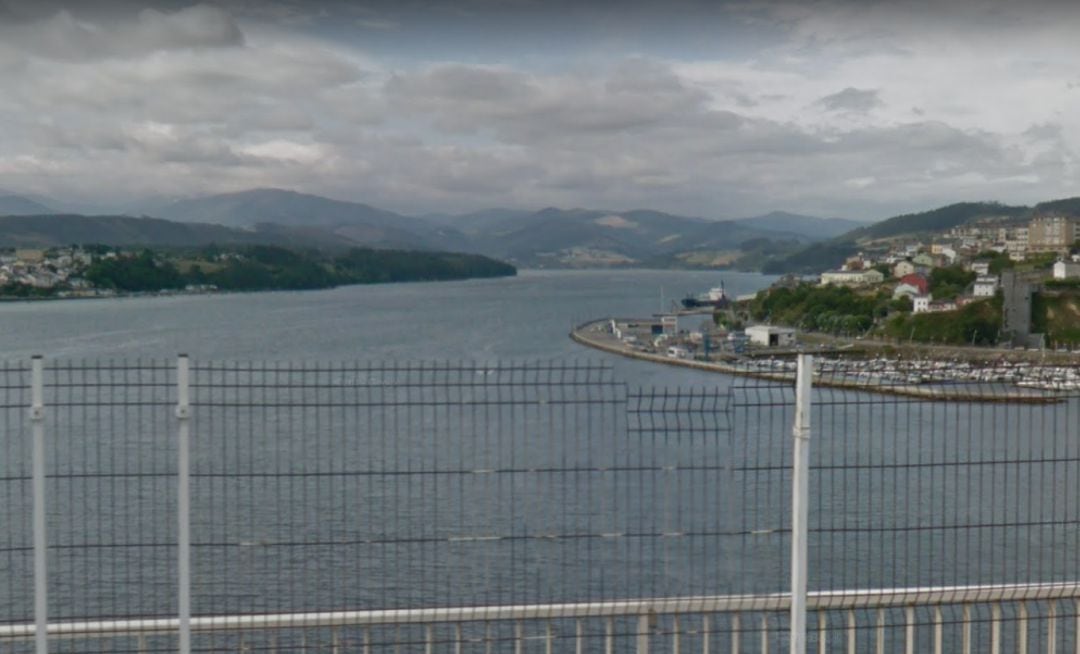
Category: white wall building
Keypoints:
(770, 336)
(1066, 270)
(921, 303)
(985, 286)
(851, 277)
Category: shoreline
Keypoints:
(944, 393)
(185, 293)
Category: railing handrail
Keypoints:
(816, 600)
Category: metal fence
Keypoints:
(529, 507)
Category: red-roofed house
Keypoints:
(912, 285)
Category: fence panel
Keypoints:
(16, 541)
(911, 493)
(530, 501)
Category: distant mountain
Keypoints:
(481, 222)
(18, 205)
(585, 237)
(355, 222)
(65, 229)
(809, 226)
(550, 237)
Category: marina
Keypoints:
(836, 367)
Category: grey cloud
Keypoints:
(1043, 132)
(66, 37)
(525, 108)
(200, 118)
(851, 100)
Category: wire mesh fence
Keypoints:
(512, 507)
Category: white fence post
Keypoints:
(41, 580)
(800, 501)
(183, 502)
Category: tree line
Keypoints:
(264, 267)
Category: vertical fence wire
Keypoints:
(375, 486)
(16, 540)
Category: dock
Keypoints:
(596, 334)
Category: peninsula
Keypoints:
(104, 271)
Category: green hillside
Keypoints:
(1056, 313)
(936, 220)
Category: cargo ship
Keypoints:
(716, 298)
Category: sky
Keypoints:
(858, 109)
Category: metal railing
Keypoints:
(187, 506)
(711, 620)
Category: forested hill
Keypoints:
(274, 268)
(935, 220)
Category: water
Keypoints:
(905, 493)
(112, 468)
(525, 318)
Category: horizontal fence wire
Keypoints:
(414, 486)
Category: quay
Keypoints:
(597, 334)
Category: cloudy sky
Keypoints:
(856, 109)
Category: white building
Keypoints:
(921, 303)
(770, 336)
(1066, 270)
(903, 268)
(851, 277)
(980, 267)
(909, 290)
(985, 286)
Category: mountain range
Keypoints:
(550, 237)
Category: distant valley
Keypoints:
(551, 237)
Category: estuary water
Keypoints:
(377, 485)
(523, 318)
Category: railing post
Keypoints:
(800, 501)
(183, 502)
(41, 580)
(643, 634)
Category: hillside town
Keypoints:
(53, 272)
(1047, 244)
(1032, 268)
(992, 282)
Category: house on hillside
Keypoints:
(923, 259)
(855, 263)
(980, 267)
(911, 285)
(902, 268)
(917, 280)
(943, 305)
(926, 304)
(851, 277)
(985, 286)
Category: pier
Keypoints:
(777, 364)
